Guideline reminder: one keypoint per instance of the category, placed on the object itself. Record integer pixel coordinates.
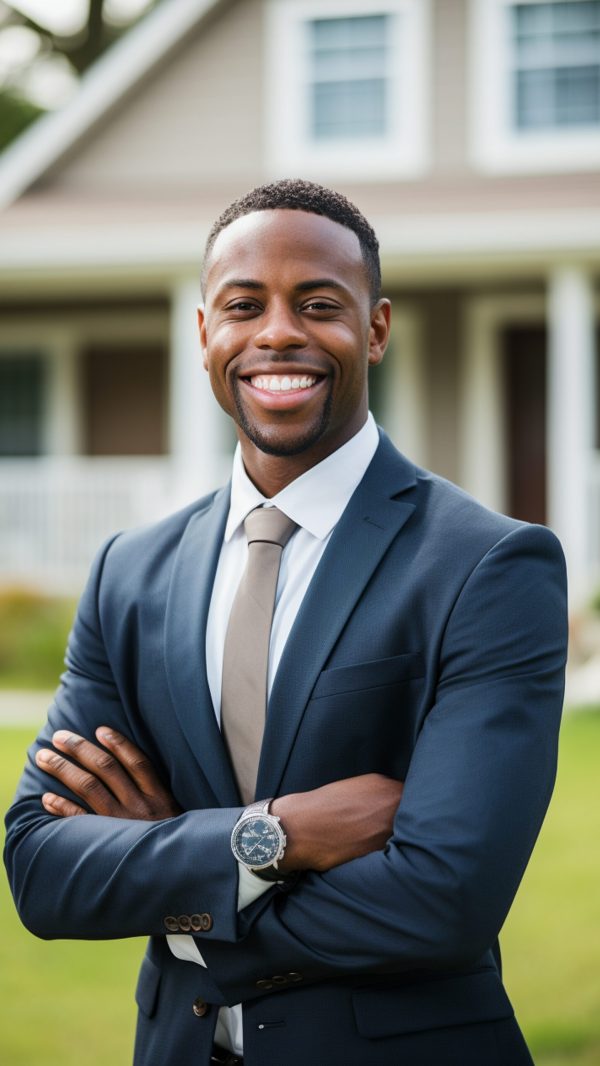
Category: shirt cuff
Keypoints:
(250, 887)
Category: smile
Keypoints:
(282, 382)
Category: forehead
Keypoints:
(281, 243)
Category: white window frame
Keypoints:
(497, 146)
(404, 152)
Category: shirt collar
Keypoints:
(316, 499)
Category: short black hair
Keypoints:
(296, 194)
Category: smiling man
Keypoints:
(307, 733)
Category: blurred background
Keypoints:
(468, 132)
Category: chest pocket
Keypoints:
(377, 673)
(360, 719)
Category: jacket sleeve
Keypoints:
(476, 792)
(93, 877)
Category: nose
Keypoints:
(280, 329)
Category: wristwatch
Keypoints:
(258, 841)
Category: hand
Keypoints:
(116, 780)
(337, 822)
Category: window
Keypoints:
(346, 88)
(535, 91)
(556, 76)
(22, 387)
(349, 91)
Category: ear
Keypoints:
(202, 328)
(379, 332)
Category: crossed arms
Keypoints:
(422, 883)
(325, 827)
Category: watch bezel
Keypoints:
(247, 819)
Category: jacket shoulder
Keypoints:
(137, 554)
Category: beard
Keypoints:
(267, 441)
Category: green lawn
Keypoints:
(33, 637)
(64, 1003)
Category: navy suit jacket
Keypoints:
(430, 646)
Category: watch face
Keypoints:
(256, 841)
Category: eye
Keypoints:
(242, 306)
(320, 306)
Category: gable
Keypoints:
(195, 119)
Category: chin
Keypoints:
(272, 441)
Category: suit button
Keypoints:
(279, 979)
(196, 920)
(295, 977)
(206, 922)
(200, 1007)
(264, 984)
(171, 924)
(184, 922)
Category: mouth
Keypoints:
(283, 391)
(282, 382)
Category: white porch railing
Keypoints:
(594, 520)
(55, 512)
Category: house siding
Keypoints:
(197, 119)
(195, 128)
(449, 52)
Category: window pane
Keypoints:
(348, 109)
(21, 405)
(365, 30)
(348, 90)
(578, 96)
(354, 63)
(577, 15)
(535, 98)
(556, 76)
(532, 18)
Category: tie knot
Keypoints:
(270, 525)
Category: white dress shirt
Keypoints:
(315, 501)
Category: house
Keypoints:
(468, 131)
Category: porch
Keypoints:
(56, 510)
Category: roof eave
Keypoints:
(111, 76)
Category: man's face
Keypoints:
(288, 331)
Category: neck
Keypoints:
(271, 473)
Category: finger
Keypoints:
(82, 784)
(136, 763)
(100, 763)
(59, 805)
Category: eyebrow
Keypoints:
(303, 286)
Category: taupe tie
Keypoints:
(246, 653)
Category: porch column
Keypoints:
(482, 432)
(571, 384)
(197, 426)
(404, 405)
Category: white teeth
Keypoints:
(281, 384)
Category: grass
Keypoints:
(33, 636)
(64, 1003)
(551, 939)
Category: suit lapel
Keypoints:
(185, 635)
(371, 521)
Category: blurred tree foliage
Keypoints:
(16, 113)
(80, 48)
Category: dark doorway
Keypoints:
(524, 362)
(125, 399)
